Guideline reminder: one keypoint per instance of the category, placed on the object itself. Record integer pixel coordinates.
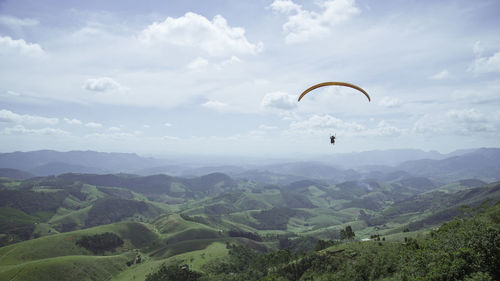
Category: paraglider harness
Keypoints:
(332, 139)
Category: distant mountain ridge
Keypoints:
(14, 174)
(50, 162)
(482, 164)
(391, 157)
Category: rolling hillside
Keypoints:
(204, 220)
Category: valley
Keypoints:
(204, 222)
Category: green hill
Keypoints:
(207, 221)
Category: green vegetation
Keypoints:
(109, 210)
(99, 243)
(225, 229)
(275, 218)
(463, 249)
(174, 273)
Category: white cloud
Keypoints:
(486, 64)
(21, 130)
(384, 129)
(198, 63)
(466, 115)
(11, 117)
(215, 37)
(232, 60)
(429, 124)
(458, 121)
(324, 123)
(102, 84)
(72, 121)
(167, 124)
(114, 129)
(114, 136)
(279, 100)
(327, 124)
(477, 48)
(266, 127)
(444, 74)
(303, 25)
(216, 105)
(93, 125)
(389, 102)
(15, 22)
(470, 120)
(170, 138)
(9, 46)
(12, 93)
(285, 6)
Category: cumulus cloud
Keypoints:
(9, 46)
(230, 61)
(467, 115)
(14, 22)
(383, 128)
(113, 136)
(324, 123)
(441, 75)
(170, 138)
(285, 6)
(279, 100)
(8, 116)
(486, 64)
(303, 25)
(72, 121)
(429, 124)
(327, 124)
(458, 121)
(389, 102)
(216, 37)
(12, 93)
(266, 127)
(21, 130)
(470, 121)
(216, 105)
(93, 125)
(102, 84)
(477, 48)
(198, 63)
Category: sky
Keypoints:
(222, 77)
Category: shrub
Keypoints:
(100, 242)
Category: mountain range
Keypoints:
(482, 163)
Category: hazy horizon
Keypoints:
(222, 78)
(388, 157)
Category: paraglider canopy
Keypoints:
(345, 84)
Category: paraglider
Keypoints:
(345, 84)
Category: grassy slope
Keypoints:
(195, 259)
(66, 268)
(135, 235)
(178, 239)
(57, 257)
